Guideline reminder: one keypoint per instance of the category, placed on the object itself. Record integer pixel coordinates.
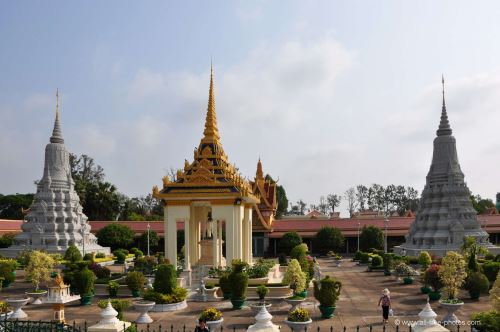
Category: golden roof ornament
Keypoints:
(165, 180)
(211, 133)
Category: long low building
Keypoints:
(267, 243)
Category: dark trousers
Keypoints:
(385, 311)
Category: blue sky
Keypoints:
(330, 94)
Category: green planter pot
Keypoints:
(407, 280)
(425, 289)
(226, 296)
(5, 283)
(387, 273)
(302, 294)
(434, 296)
(86, 299)
(136, 293)
(326, 312)
(238, 303)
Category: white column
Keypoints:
(244, 238)
(250, 236)
(237, 232)
(187, 245)
(226, 213)
(219, 240)
(165, 230)
(215, 250)
(171, 239)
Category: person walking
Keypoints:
(385, 301)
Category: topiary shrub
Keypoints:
(488, 321)
(295, 277)
(85, 281)
(100, 255)
(424, 259)
(299, 252)
(238, 280)
(376, 261)
(136, 252)
(262, 291)
(121, 255)
(327, 291)
(282, 260)
(7, 268)
(101, 272)
(364, 257)
(289, 241)
(388, 262)
(135, 281)
(490, 270)
(225, 285)
(477, 283)
(431, 278)
(165, 279)
(73, 254)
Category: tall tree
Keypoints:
(481, 204)
(333, 201)
(327, 239)
(371, 237)
(11, 205)
(362, 196)
(352, 202)
(298, 209)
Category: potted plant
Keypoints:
(298, 319)
(296, 279)
(135, 282)
(452, 274)
(327, 292)
(261, 291)
(424, 259)
(119, 305)
(38, 270)
(212, 317)
(112, 288)
(238, 279)
(5, 311)
(338, 260)
(225, 286)
(121, 255)
(85, 282)
(17, 305)
(431, 278)
(407, 272)
(7, 271)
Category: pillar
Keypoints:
(225, 213)
(215, 247)
(237, 231)
(172, 214)
(249, 235)
(219, 240)
(187, 245)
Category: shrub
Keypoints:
(115, 236)
(4, 307)
(477, 284)
(328, 238)
(364, 257)
(39, 268)
(489, 321)
(376, 261)
(329, 292)
(7, 268)
(7, 240)
(289, 241)
(72, 254)
(135, 281)
(145, 264)
(121, 255)
(165, 279)
(431, 277)
(179, 294)
(299, 252)
(101, 272)
(85, 281)
(112, 288)
(89, 257)
(388, 261)
(210, 315)
(298, 315)
(357, 255)
(238, 280)
(137, 253)
(262, 291)
(119, 305)
(424, 259)
(294, 276)
(224, 283)
(371, 237)
(411, 259)
(100, 255)
(495, 294)
(452, 273)
(405, 270)
(491, 269)
(258, 270)
(282, 259)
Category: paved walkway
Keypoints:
(357, 305)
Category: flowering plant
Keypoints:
(210, 315)
(298, 315)
(405, 270)
(452, 273)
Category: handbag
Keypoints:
(391, 312)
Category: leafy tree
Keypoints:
(153, 241)
(39, 268)
(481, 204)
(72, 254)
(299, 209)
(295, 277)
(289, 241)
(495, 294)
(352, 202)
(7, 240)
(328, 239)
(452, 273)
(333, 201)
(12, 205)
(361, 196)
(371, 237)
(115, 236)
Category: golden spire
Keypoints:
(259, 175)
(211, 133)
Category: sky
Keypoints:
(329, 94)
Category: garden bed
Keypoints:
(169, 307)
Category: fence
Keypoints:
(41, 326)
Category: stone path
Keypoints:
(357, 305)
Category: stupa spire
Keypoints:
(211, 133)
(56, 132)
(259, 175)
(444, 125)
